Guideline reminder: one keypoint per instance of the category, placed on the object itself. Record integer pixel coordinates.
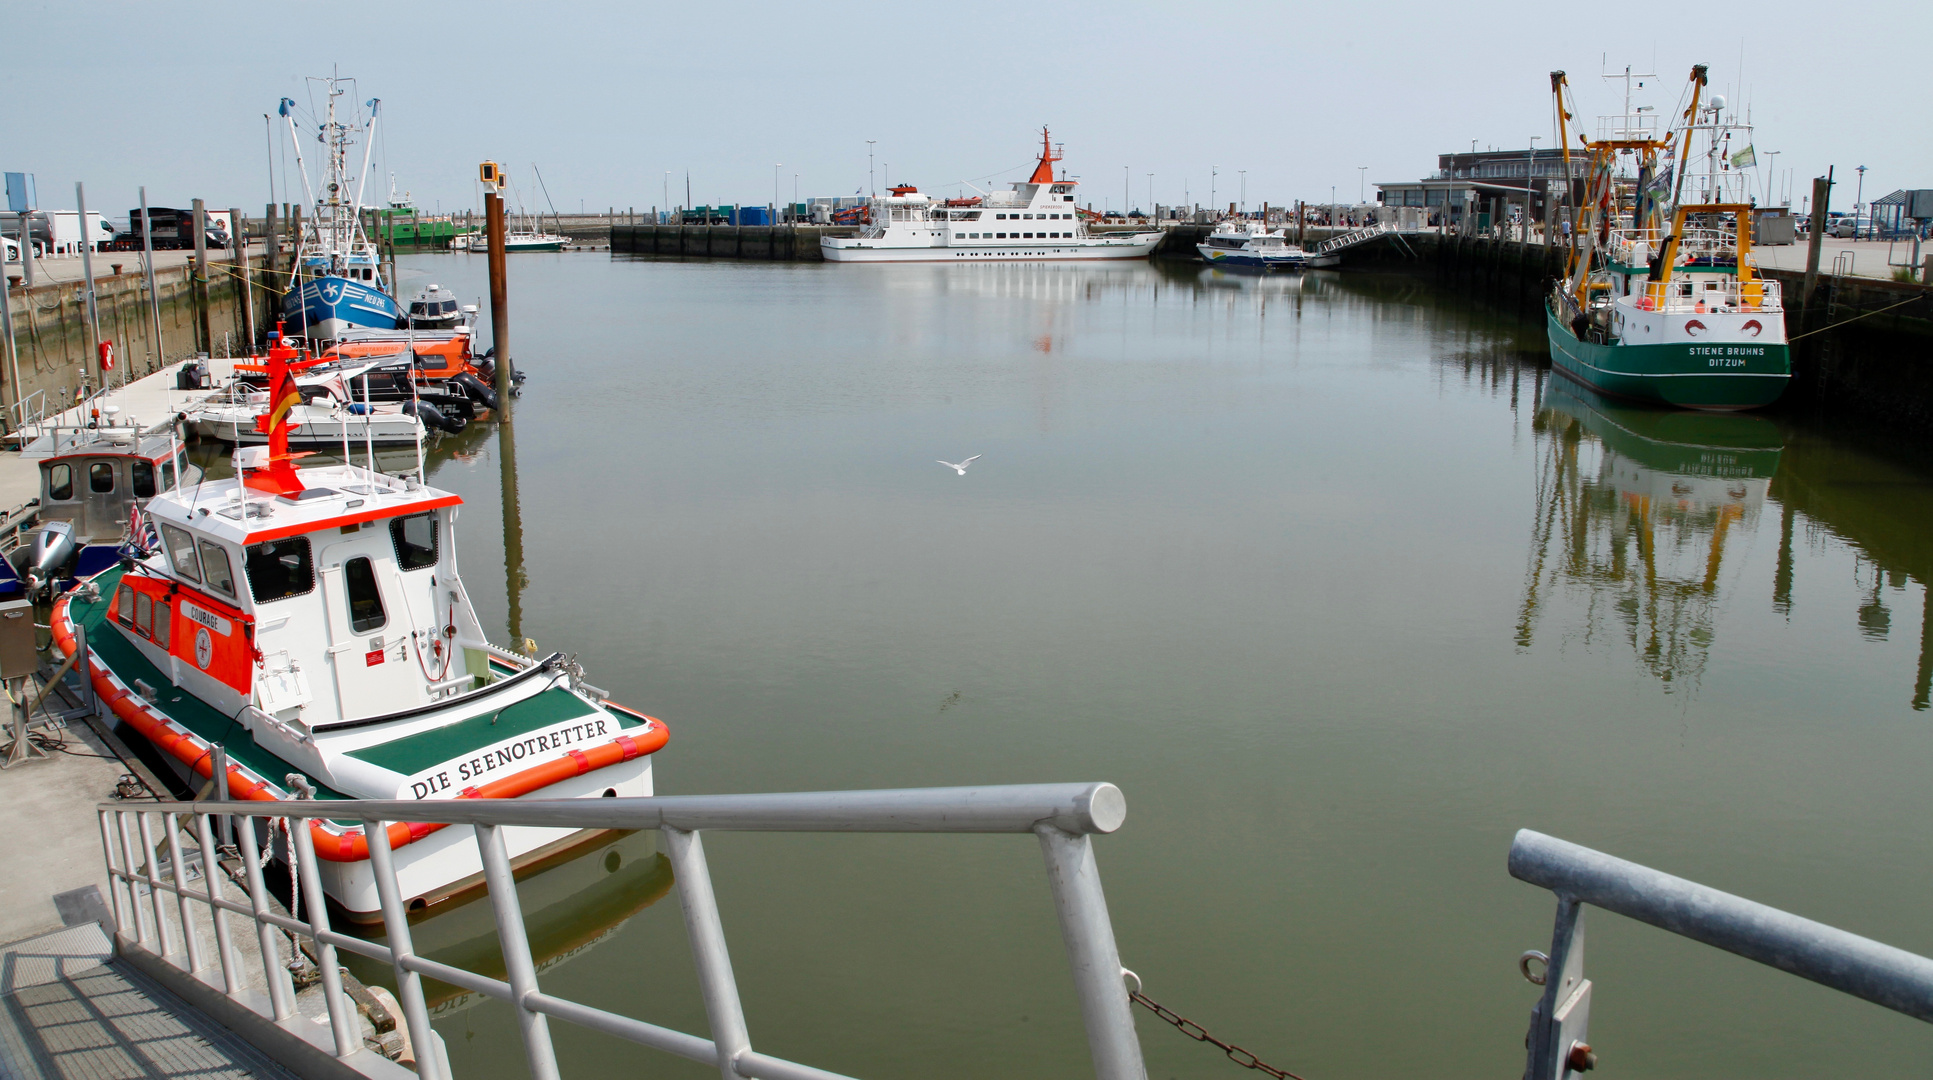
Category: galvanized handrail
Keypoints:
(1846, 962)
(1062, 816)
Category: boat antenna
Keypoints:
(553, 206)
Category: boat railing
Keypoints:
(1559, 1038)
(29, 411)
(1637, 247)
(1681, 296)
(157, 913)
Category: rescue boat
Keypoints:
(311, 624)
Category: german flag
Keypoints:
(286, 397)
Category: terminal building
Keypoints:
(1478, 181)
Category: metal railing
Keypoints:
(1559, 1025)
(1062, 816)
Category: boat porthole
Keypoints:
(417, 903)
(612, 861)
(610, 793)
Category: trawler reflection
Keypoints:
(1634, 508)
(570, 907)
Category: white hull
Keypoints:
(446, 862)
(319, 428)
(857, 249)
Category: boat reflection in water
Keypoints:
(1634, 508)
(570, 907)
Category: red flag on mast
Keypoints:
(280, 476)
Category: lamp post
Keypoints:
(775, 192)
(1151, 193)
(1772, 177)
(1362, 186)
(1213, 172)
(1243, 202)
(869, 167)
(667, 192)
(1858, 200)
(1530, 179)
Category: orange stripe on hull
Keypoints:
(333, 843)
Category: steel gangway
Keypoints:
(149, 875)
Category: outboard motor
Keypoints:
(474, 389)
(54, 548)
(433, 417)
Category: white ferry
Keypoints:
(1036, 221)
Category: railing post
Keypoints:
(409, 984)
(723, 1009)
(114, 871)
(1560, 1022)
(189, 943)
(134, 887)
(1092, 954)
(211, 875)
(161, 929)
(281, 990)
(516, 950)
(342, 1019)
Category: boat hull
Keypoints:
(325, 307)
(1704, 375)
(1248, 260)
(853, 249)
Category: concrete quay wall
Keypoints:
(55, 347)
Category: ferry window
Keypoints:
(1000, 236)
(415, 540)
(365, 600)
(163, 623)
(181, 551)
(144, 613)
(60, 482)
(100, 477)
(214, 563)
(124, 606)
(279, 569)
(143, 479)
(1000, 217)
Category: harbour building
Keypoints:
(1481, 182)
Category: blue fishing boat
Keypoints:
(338, 284)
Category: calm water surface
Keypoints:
(1323, 572)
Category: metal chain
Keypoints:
(1198, 1033)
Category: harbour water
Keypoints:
(1318, 569)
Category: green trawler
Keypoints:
(1660, 301)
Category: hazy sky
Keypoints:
(606, 97)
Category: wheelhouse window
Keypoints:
(415, 540)
(60, 482)
(181, 551)
(279, 569)
(143, 479)
(215, 564)
(144, 613)
(365, 599)
(163, 623)
(167, 475)
(100, 477)
(124, 606)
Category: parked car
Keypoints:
(1848, 227)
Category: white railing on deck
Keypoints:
(1679, 297)
(1063, 817)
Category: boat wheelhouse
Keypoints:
(1661, 300)
(93, 479)
(1035, 221)
(312, 626)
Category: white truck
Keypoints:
(62, 233)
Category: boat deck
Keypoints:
(183, 708)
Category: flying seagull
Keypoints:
(962, 466)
